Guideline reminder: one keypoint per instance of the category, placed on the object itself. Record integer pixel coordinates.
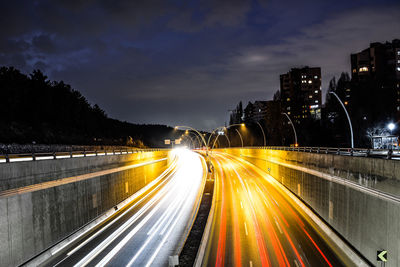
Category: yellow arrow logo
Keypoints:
(382, 255)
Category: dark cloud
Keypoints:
(186, 62)
(43, 43)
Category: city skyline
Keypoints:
(163, 63)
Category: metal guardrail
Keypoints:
(355, 152)
(6, 158)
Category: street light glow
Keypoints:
(391, 126)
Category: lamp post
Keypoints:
(294, 130)
(193, 129)
(216, 139)
(262, 130)
(241, 139)
(197, 138)
(223, 127)
(190, 139)
(348, 118)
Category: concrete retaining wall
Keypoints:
(347, 192)
(31, 222)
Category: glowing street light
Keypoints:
(225, 128)
(193, 129)
(391, 127)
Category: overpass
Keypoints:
(58, 199)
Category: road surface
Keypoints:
(149, 229)
(256, 224)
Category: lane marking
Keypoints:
(241, 204)
(251, 264)
(277, 224)
(119, 216)
(125, 227)
(245, 228)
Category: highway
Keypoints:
(149, 229)
(256, 224)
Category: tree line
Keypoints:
(34, 109)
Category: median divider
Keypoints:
(207, 228)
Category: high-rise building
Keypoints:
(255, 112)
(301, 93)
(376, 81)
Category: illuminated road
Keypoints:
(150, 229)
(256, 224)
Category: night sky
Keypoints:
(187, 62)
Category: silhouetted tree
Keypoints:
(36, 109)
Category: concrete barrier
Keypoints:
(64, 195)
(358, 197)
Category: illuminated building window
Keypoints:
(348, 90)
(309, 81)
(345, 102)
(315, 77)
(316, 101)
(398, 53)
(363, 69)
(288, 99)
(259, 110)
(398, 61)
(303, 81)
(316, 91)
(288, 113)
(398, 68)
(288, 108)
(310, 96)
(354, 70)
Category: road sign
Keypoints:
(381, 255)
(167, 141)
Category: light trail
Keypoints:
(151, 227)
(275, 231)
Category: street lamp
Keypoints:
(223, 127)
(193, 129)
(391, 127)
(348, 117)
(262, 130)
(294, 130)
(190, 139)
(241, 139)
(194, 135)
(216, 139)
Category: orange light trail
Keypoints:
(222, 230)
(236, 233)
(317, 248)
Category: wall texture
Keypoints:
(32, 221)
(358, 197)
